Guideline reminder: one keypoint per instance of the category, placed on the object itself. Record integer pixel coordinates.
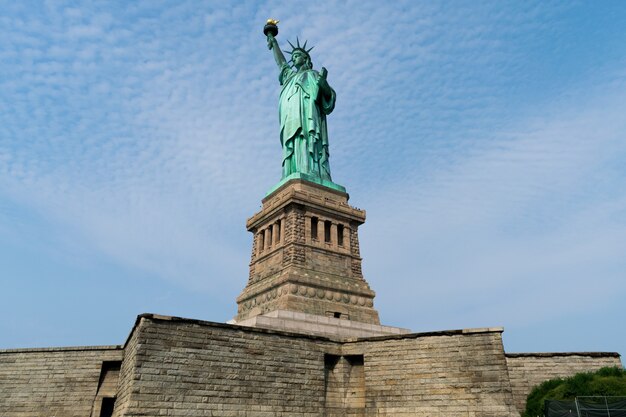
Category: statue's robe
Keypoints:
(302, 114)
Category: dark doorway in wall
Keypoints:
(108, 404)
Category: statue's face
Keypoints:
(299, 59)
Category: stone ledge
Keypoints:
(484, 330)
(62, 349)
(318, 325)
(300, 192)
(312, 318)
(229, 325)
(556, 354)
(457, 332)
(325, 185)
(291, 333)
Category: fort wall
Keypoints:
(180, 367)
(454, 373)
(55, 381)
(526, 370)
(189, 367)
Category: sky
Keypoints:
(485, 140)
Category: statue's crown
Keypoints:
(301, 48)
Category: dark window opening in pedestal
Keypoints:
(278, 231)
(340, 234)
(269, 237)
(338, 315)
(314, 222)
(108, 404)
(261, 241)
(327, 224)
(330, 361)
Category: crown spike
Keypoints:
(292, 47)
(298, 41)
(309, 50)
(304, 46)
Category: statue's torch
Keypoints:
(270, 27)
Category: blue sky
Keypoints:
(486, 140)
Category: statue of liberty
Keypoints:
(305, 100)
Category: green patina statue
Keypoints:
(305, 100)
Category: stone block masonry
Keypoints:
(312, 324)
(527, 370)
(454, 373)
(187, 367)
(184, 367)
(54, 381)
(305, 256)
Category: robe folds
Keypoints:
(303, 131)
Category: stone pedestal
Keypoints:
(310, 324)
(305, 256)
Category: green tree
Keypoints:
(606, 381)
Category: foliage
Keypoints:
(606, 381)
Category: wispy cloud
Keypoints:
(532, 225)
(484, 141)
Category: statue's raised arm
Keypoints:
(271, 30)
(306, 99)
(272, 44)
